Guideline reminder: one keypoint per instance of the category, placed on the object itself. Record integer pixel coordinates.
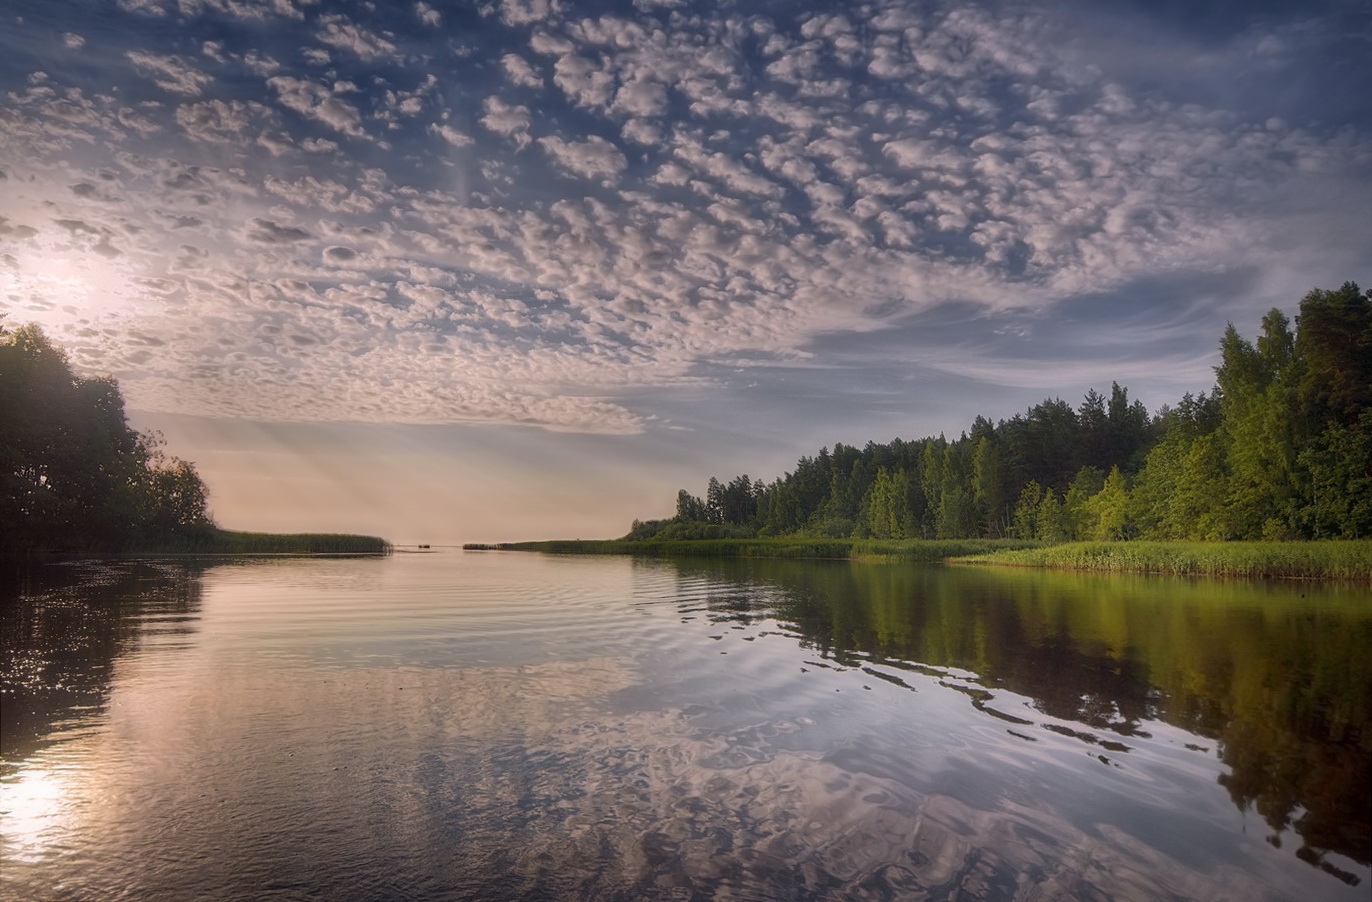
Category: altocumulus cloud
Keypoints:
(527, 212)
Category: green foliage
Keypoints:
(826, 528)
(1107, 511)
(1335, 343)
(885, 511)
(645, 529)
(695, 529)
(689, 508)
(990, 485)
(1339, 462)
(1076, 518)
(1282, 455)
(1349, 560)
(1052, 520)
(1026, 523)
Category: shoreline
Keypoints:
(910, 550)
(1345, 560)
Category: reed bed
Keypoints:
(226, 541)
(1335, 559)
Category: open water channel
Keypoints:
(490, 726)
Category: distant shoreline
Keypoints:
(928, 551)
(1336, 559)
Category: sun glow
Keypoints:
(70, 275)
(64, 291)
(33, 811)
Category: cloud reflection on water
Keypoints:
(618, 754)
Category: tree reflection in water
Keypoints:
(64, 626)
(1277, 675)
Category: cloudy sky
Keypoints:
(520, 269)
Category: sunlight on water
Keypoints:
(505, 726)
(31, 805)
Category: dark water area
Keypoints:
(515, 726)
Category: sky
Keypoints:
(520, 269)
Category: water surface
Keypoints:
(516, 726)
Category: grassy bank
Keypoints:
(1350, 560)
(813, 549)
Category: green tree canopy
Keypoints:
(1277, 448)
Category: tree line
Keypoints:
(1279, 448)
(73, 475)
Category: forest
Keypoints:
(73, 476)
(1280, 448)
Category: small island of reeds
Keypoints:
(228, 541)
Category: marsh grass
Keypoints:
(1349, 560)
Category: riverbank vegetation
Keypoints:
(75, 479)
(1280, 448)
(1345, 560)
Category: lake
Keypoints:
(488, 725)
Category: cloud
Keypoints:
(525, 12)
(428, 15)
(264, 231)
(708, 187)
(641, 97)
(260, 64)
(253, 10)
(586, 82)
(452, 135)
(317, 101)
(338, 32)
(218, 121)
(520, 73)
(326, 194)
(170, 73)
(592, 158)
(511, 121)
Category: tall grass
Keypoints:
(1350, 560)
(814, 549)
(226, 541)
